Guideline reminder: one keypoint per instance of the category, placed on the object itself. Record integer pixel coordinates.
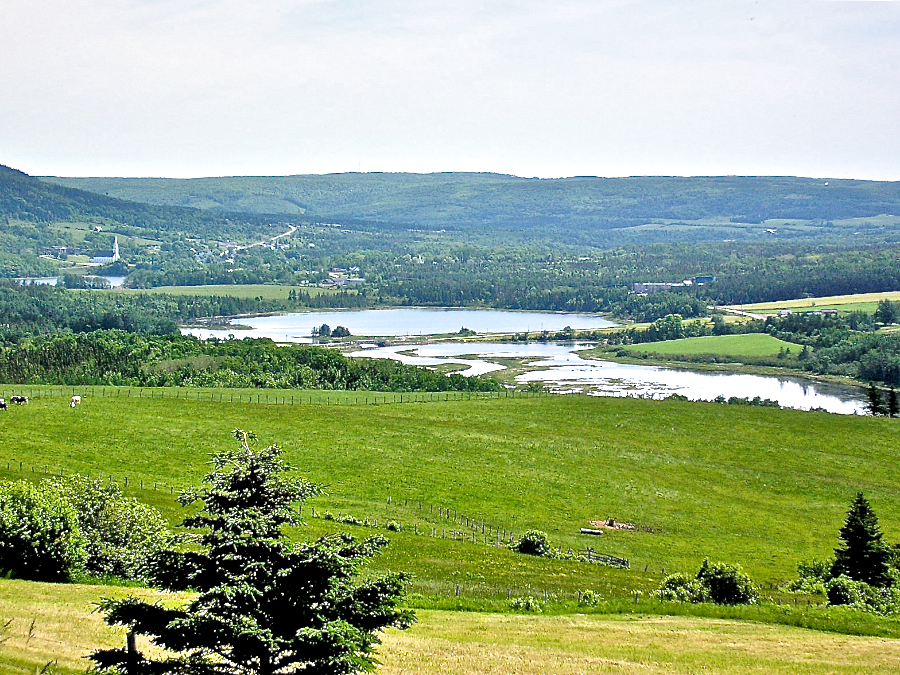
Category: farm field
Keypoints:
(475, 643)
(757, 487)
(860, 302)
(749, 345)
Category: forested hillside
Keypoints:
(558, 208)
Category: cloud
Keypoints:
(607, 87)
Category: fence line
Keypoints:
(465, 528)
(225, 395)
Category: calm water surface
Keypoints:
(560, 367)
(406, 321)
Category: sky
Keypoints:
(547, 88)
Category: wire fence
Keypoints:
(263, 397)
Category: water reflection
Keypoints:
(406, 321)
(560, 367)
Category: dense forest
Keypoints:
(494, 201)
(115, 357)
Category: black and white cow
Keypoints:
(18, 400)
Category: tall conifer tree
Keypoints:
(863, 556)
(263, 605)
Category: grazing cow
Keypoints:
(18, 400)
(75, 401)
(2, 404)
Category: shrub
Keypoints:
(39, 535)
(526, 604)
(727, 584)
(842, 590)
(351, 520)
(589, 598)
(120, 533)
(392, 525)
(813, 577)
(719, 583)
(533, 542)
(679, 588)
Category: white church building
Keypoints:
(106, 257)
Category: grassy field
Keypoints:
(758, 487)
(751, 344)
(264, 291)
(861, 302)
(51, 623)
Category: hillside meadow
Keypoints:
(757, 487)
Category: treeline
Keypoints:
(36, 309)
(118, 358)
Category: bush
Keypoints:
(120, 533)
(39, 535)
(526, 604)
(842, 590)
(392, 525)
(813, 577)
(533, 542)
(679, 588)
(727, 584)
(589, 598)
(719, 583)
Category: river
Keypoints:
(557, 365)
(560, 367)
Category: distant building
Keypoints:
(106, 257)
(704, 279)
(657, 287)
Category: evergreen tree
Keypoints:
(863, 557)
(893, 405)
(263, 605)
(874, 404)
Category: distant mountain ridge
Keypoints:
(484, 199)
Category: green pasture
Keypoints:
(860, 302)
(748, 345)
(758, 487)
(264, 291)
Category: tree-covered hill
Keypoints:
(24, 198)
(457, 200)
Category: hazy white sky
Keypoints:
(531, 87)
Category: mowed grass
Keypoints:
(751, 344)
(860, 302)
(758, 487)
(55, 624)
(482, 644)
(264, 291)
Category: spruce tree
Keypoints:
(863, 557)
(875, 405)
(263, 605)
